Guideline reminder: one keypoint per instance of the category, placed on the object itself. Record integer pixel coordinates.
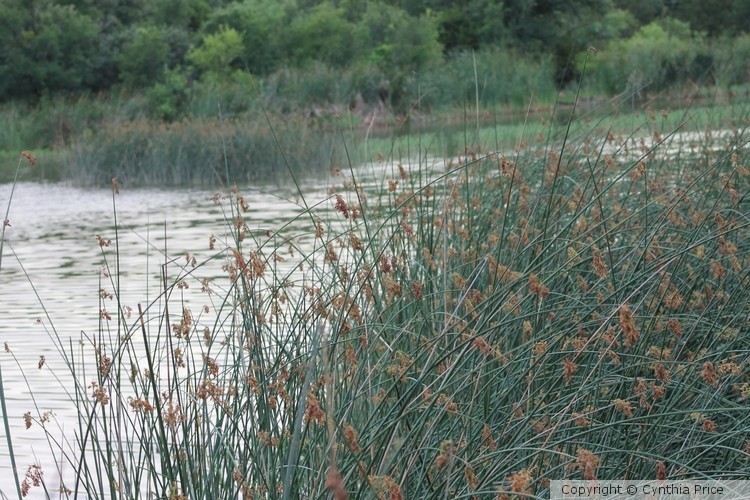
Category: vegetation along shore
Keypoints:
(517, 248)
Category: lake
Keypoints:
(53, 240)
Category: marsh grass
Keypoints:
(28, 156)
(480, 325)
(202, 152)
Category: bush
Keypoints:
(657, 55)
(218, 53)
(262, 25)
(52, 48)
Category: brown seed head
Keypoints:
(708, 373)
(350, 436)
(661, 471)
(569, 368)
(519, 481)
(335, 484)
(29, 157)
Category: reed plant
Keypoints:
(217, 151)
(31, 159)
(471, 326)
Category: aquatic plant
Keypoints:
(477, 325)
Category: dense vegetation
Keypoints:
(474, 328)
(576, 308)
(118, 70)
(97, 45)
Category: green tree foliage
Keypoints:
(471, 25)
(168, 98)
(714, 17)
(121, 13)
(396, 39)
(144, 56)
(46, 47)
(398, 45)
(68, 46)
(657, 55)
(262, 24)
(321, 34)
(186, 14)
(731, 60)
(559, 27)
(645, 11)
(216, 55)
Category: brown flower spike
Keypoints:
(29, 157)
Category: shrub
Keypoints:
(218, 53)
(657, 55)
(262, 24)
(144, 56)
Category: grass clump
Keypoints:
(202, 152)
(473, 326)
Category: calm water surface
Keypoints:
(52, 239)
(53, 268)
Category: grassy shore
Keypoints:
(181, 132)
(574, 308)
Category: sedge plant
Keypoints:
(444, 328)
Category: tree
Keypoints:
(261, 24)
(216, 55)
(185, 14)
(323, 34)
(46, 48)
(560, 27)
(714, 17)
(143, 57)
(472, 25)
(394, 39)
(398, 45)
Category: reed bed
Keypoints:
(203, 152)
(574, 309)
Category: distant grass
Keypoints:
(203, 152)
(474, 98)
(576, 308)
(145, 152)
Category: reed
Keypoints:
(146, 153)
(476, 325)
(31, 159)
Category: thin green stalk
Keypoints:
(6, 220)
(8, 440)
(294, 448)
(3, 406)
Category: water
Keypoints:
(53, 240)
(53, 233)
